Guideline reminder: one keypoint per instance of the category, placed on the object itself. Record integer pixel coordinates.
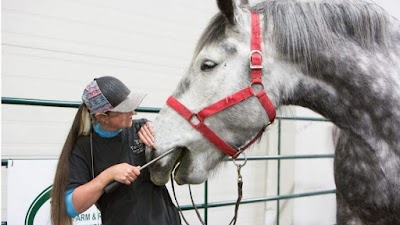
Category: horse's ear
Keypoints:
(229, 7)
(226, 7)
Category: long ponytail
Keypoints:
(80, 127)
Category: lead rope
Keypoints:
(240, 194)
(194, 206)
(176, 200)
(240, 187)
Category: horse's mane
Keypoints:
(303, 29)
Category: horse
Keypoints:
(339, 58)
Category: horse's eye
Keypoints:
(207, 65)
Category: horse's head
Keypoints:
(314, 54)
(220, 68)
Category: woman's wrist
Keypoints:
(105, 178)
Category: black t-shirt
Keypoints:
(142, 202)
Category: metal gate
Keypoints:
(205, 205)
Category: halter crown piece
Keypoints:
(256, 66)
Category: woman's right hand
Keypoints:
(125, 173)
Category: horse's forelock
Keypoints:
(303, 29)
(214, 32)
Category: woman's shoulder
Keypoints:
(83, 140)
(83, 143)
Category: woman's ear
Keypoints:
(100, 116)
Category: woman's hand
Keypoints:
(125, 173)
(146, 134)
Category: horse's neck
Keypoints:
(359, 93)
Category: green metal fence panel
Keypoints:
(206, 204)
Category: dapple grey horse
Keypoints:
(339, 58)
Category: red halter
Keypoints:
(256, 66)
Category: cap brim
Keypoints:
(130, 103)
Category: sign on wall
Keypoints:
(28, 194)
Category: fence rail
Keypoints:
(206, 204)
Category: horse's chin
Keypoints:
(182, 176)
(159, 180)
(188, 170)
(180, 165)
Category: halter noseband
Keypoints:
(256, 66)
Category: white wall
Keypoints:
(52, 48)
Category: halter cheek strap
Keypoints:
(256, 66)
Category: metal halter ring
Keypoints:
(237, 164)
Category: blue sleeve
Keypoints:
(69, 204)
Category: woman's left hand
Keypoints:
(146, 134)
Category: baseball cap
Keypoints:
(110, 94)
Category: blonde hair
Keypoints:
(81, 126)
(86, 123)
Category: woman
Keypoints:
(102, 146)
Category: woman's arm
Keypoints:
(84, 196)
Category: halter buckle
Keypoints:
(252, 66)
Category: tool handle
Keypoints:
(114, 185)
(111, 187)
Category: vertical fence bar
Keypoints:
(278, 191)
(206, 202)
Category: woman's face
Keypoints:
(119, 120)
